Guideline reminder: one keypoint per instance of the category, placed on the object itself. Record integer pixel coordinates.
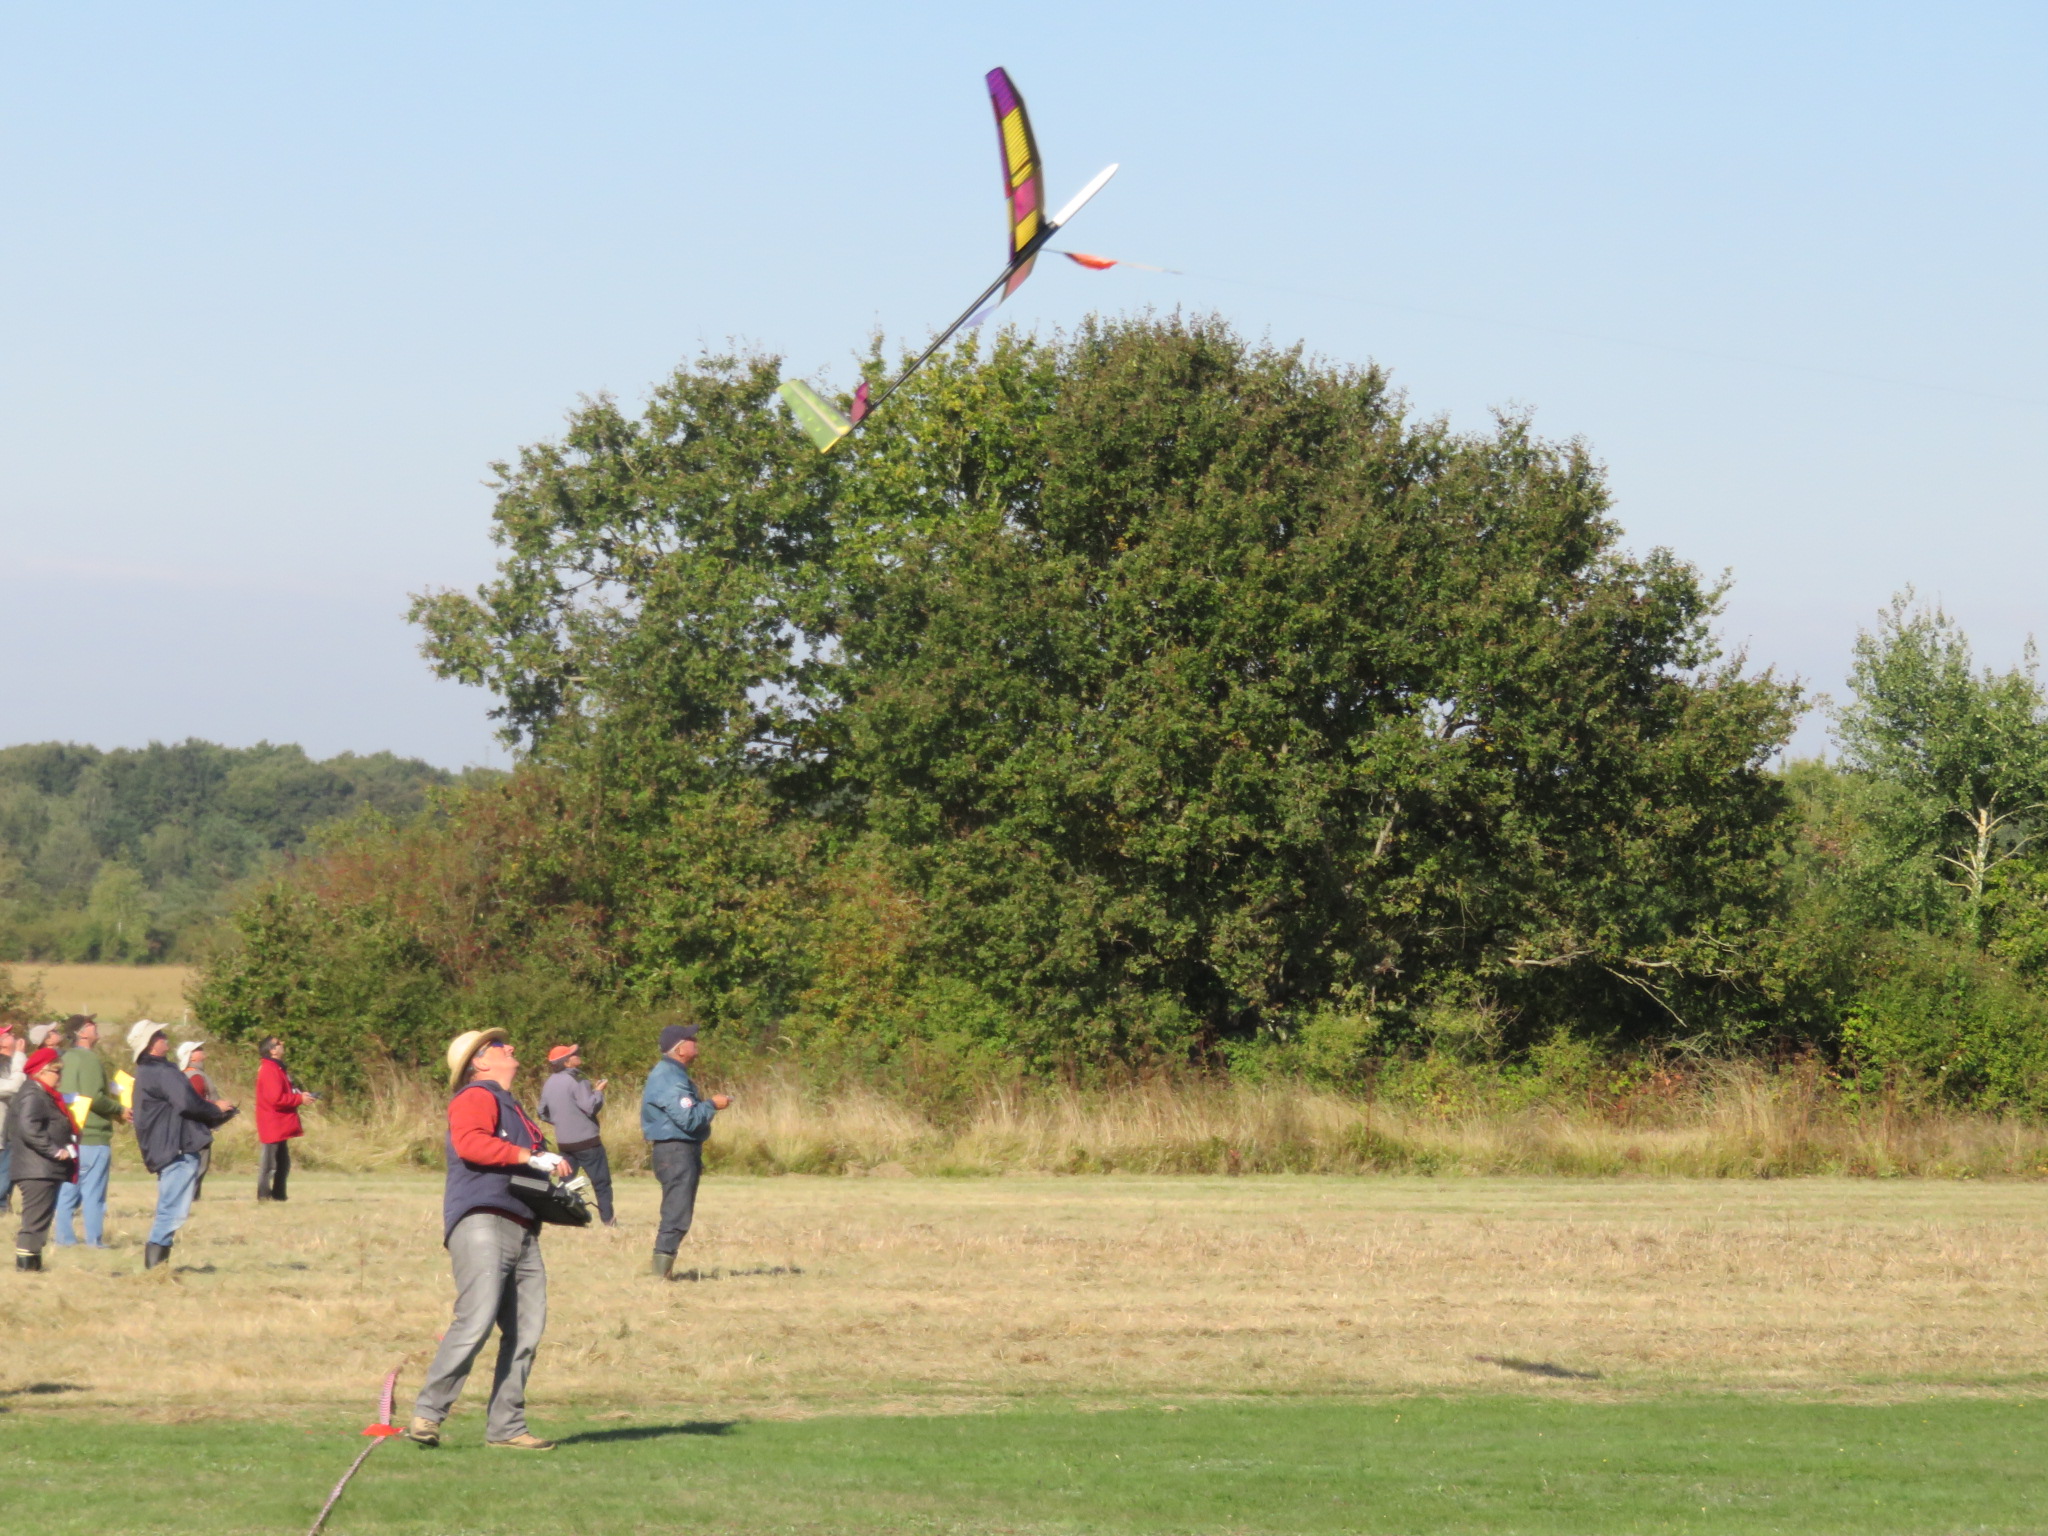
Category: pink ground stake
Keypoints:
(378, 1432)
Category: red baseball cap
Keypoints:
(41, 1059)
(562, 1052)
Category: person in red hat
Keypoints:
(44, 1144)
(572, 1104)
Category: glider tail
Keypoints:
(1079, 200)
(822, 423)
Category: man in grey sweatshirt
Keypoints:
(571, 1104)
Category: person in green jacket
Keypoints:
(85, 1077)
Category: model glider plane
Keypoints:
(1030, 229)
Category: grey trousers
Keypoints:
(678, 1164)
(273, 1170)
(38, 1205)
(499, 1279)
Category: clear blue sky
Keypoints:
(280, 281)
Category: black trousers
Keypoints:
(594, 1161)
(678, 1164)
(275, 1168)
(38, 1205)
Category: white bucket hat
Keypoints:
(140, 1033)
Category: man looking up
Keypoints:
(84, 1077)
(493, 1244)
(173, 1125)
(676, 1118)
(571, 1105)
(277, 1118)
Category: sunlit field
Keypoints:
(1056, 1354)
(908, 1294)
(113, 994)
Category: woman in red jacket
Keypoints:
(277, 1118)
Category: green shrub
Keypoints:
(1937, 1012)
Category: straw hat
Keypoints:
(140, 1033)
(464, 1046)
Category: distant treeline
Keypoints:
(1145, 701)
(129, 855)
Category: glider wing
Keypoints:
(1030, 228)
(1023, 178)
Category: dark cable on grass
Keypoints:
(378, 1432)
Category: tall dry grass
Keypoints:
(1729, 1121)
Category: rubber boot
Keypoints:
(663, 1262)
(30, 1262)
(154, 1254)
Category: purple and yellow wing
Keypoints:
(1023, 175)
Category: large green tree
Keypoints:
(1956, 762)
(1185, 688)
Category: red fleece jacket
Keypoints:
(277, 1103)
(473, 1127)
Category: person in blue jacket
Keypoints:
(676, 1118)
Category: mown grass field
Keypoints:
(1074, 1354)
(1461, 1464)
(929, 1295)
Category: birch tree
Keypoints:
(1957, 756)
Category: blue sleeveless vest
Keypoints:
(476, 1186)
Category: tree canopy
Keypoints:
(1117, 697)
(127, 855)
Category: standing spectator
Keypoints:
(572, 1105)
(676, 1118)
(277, 1118)
(85, 1081)
(173, 1125)
(493, 1244)
(191, 1058)
(13, 1073)
(45, 1147)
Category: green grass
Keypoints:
(1476, 1464)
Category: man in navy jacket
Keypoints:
(676, 1118)
(173, 1125)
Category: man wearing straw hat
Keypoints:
(173, 1126)
(493, 1244)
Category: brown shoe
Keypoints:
(527, 1442)
(423, 1431)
